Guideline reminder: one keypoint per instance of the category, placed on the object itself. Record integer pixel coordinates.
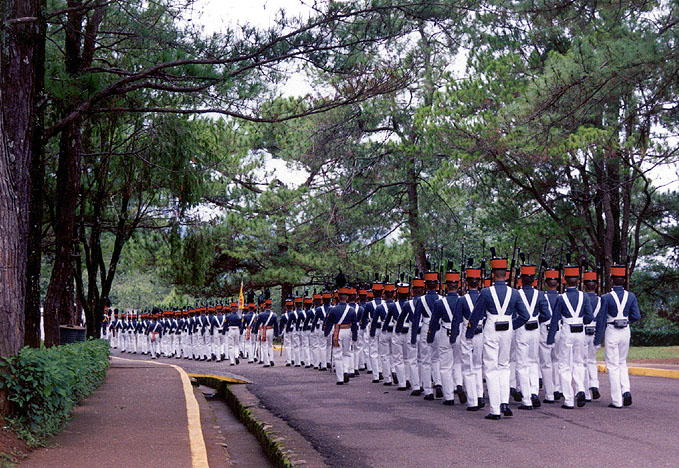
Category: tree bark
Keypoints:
(20, 42)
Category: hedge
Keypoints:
(655, 337)
(43, 385)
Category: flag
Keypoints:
(241, 299)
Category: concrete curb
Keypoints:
(272, 448)
(647, 371)
(216, 379)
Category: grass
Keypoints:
(647, 352)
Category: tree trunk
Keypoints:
(60, 289)
(414, 217)
(21, 38)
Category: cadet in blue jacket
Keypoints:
(399, 341)
(383, 337)
(471, 349)
(619, 308)
(440, 332)
(590, 281)
(504, 311)
(268, 323)
(342, 323)
(571, 313)
(424, 308)
(527, 339)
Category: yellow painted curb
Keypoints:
(196, 440)
(219, 377)
(647, 371)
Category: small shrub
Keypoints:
(44, 384)
(655, 337)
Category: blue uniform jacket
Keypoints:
(609, 310)
(542, 309)
(319, 316)
(440, 314)
(431, 297)
(369, 311)
(379, 314)
(335, 315)
(406, 315)
(560, 310)
(262, 320)
(462, 312)
(486, 305)
(391, 317)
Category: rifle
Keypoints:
(522, 257)
(559, 287)
(543, 265)
(483, 265)
(511, 267)
(627, 263)
(463, 273)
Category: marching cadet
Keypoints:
(233, 329)
(286, 326)
(306, 331)
(122, 332)
(361, 345)
(133, 330)
(372, 339)
(297, 331)
(342, 323)
(249, 321)
(619, 308)
(268, 324)
(209, 333)
(112, 328)
(590, 281)
(440, 333)
(155, 333)
(527, 339)
(191, 331)
(219, 333)
(549, 359)
(202, 326)
(571, 313)
(184, 338)
(377, 315)
(364, 330)
(399, 341)
(104, 326)
(424, 308)
(386, 332)
(353, 292)
(504, 311)
(407, 316)
(471, 350)
(318, 360)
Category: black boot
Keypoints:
(535, 401)
(394, 378)
(439, 391)
(580, 399)
(461, 394)
(346, 378)
(408, 386)
(417, 392)
(381, 377)
(449, 402)
(506, 412)
(595, 393)
(429, 397)
(493, 417)
(481, 403)
(626, 399)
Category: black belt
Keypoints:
(590, 331)
(576, 328)
(378, 325)
(390, 329)
(501, 326)
(405, 329)
(531, 325)
(619, 323)
(448, 331)
(478, 330)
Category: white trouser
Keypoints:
(359, 355)
(471, 357)
(571, 363)
(436, 364)
(365, 336)
(457, 362)
(233, 339)
(133, 342)
(384, 349)
(297, 347)
(373, 349)
(591, 370)
(446, 360)
(555, 361)
(527, 344)
(154, 343)
(287, 344)
(412, 363)
(306, 347)
(496, 349)
(399, 347)
(546, 362)
(616, 348)
(249, 348)
(424, 352)
(512, 363)
(315, 342)
(342, 354)
(267, 345)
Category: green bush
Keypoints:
(44, 384)
(655, 337)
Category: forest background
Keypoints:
(162, 162)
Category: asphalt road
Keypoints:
(369, 425)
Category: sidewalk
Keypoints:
(144, 414)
